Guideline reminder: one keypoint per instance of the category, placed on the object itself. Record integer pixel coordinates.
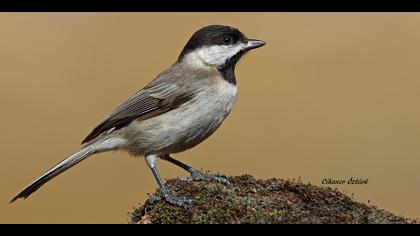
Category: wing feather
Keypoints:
(153, 100)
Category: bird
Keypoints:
(176, 111)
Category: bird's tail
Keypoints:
(92, 148)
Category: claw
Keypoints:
(177, 201)
(171, 199)
(198, 175)
(153, 199)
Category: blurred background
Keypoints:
(331, 95)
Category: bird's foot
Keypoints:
(198, 175)
(171, 199)
(178, 201)
(153, 199)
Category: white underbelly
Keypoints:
(184, 127)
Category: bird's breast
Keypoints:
(185, 126)
(208, 107)
(206, 112)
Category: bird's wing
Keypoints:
(160, 96)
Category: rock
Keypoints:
(271, 201)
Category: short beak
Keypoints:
(254, 43)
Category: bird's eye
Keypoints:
(227, 39)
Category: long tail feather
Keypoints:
(96, 147)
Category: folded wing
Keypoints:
(155, 99)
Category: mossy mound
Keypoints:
(272, 201)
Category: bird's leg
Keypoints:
(178, 201)
(196, 174)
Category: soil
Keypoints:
(251, 201)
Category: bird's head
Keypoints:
(217, 46)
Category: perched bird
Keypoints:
(177, 110)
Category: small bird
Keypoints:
(176, 111)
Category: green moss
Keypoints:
(253, 201)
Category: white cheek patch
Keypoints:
(214, 55)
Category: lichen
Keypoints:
(252, 201)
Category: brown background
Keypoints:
(330, 95)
